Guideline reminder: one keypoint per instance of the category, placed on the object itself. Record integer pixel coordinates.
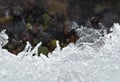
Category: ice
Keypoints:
(88, 35)
(3, 39)
(74, 63)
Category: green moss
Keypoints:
(44, 50)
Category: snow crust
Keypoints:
(87, 62)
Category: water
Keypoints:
(87, 62)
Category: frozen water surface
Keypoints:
(90, 62)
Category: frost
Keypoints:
(90, 62)
(87, 35)
(3, 39)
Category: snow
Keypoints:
(90, 62)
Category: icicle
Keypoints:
(56, 51)
(26, 51)
(35, 50)
(58, 48)
(28, 47)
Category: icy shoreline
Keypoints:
(71, 64)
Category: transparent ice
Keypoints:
(97, 61)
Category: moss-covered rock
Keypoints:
(52, 45)
(44, 50)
